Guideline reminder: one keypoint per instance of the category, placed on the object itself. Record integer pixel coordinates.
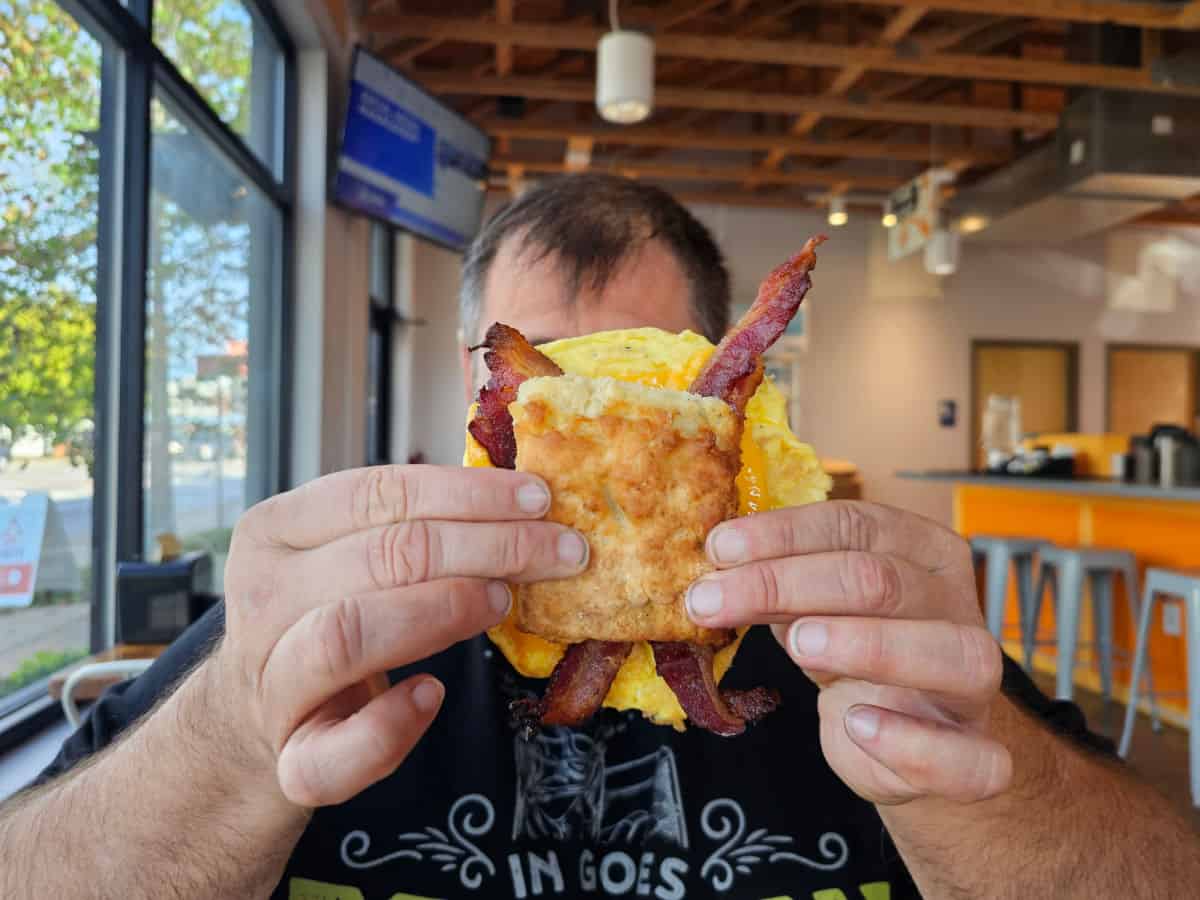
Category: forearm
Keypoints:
(1072, 823)
(169, 811)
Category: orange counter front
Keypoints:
(1161, 528)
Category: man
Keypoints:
(269, 758)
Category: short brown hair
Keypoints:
(590, 223)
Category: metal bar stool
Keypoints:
(1166, 583)
(999, 554)
(1062, 569)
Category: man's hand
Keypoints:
(332, 584)
(879, 608)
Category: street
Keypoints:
(193, 483)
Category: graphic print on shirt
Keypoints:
(566, 791)
(628, 814)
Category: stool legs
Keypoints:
(997, 589)
(1139, 667)
(1135, 618)
(1070, 598)
(1028, 604)
(1193, 677)
(1102, 627)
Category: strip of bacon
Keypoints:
(511, 359)
(733, 373)
(688, 671)
(577, 686)
(739, 354)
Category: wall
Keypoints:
(887, 341)
(436, 396)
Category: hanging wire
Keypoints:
(613, 21)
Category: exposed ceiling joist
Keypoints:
(504, 50)
(897, 28)
(711, 173)
(1118, 12)
(785, 52)
(718, 140)
(579, 90)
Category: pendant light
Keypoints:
(837, 211)
(624, 74)
(941, 252)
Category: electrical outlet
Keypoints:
(1172, 619)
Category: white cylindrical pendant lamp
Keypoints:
(625, 77)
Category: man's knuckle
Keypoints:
(855, 526)
(382, 495)
(341, 636)
(405, 552)
(980, 660)
(872, 579)
(768, 590)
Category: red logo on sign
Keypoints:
(16, 579)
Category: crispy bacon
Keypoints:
(577, 686)
(738, 357)
(511, 359)
(688, 671)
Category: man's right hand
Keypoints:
(331, 585)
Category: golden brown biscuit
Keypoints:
(645, 473)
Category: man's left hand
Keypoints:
(878, 607)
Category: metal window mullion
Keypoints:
(134, 257)
(186, 103)
(110, 18)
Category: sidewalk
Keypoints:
(23, 632)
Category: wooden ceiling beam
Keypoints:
(718, 140)
(786, 52)
(738, 198)
(504, 49)
(713, 173)
(582, 90)
(897, 29)
(1097, 12)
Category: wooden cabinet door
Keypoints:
(1148, 386)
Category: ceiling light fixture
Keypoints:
(837, 211)
(972, 223)
(624, 74)
(888, 219)
(941, 252)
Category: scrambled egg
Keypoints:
(777, 470)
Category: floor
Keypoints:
(1160, 759)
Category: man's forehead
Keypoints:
(531, 290)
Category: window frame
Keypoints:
(130, 76)
(383, 322)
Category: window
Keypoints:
(214, 239)
(145, 202)
(50, 99)
(381, 337)
(225, 50)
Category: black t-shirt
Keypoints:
(621, 808)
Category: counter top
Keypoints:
(1094, 486)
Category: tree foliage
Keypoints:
(50, 72)
(49, 178)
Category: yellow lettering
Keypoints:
(828, 894)
(876, 890)
(306, 889)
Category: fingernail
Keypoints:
(499, 598)
(728, 546)
(427, 696)
(533, 497)
(704, 598)
(863, 723)
(809, 638)
(572, 549)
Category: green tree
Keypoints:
(49, 184)
(49, 178)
